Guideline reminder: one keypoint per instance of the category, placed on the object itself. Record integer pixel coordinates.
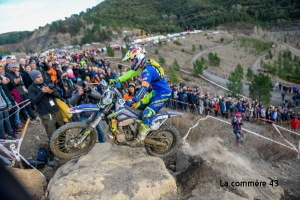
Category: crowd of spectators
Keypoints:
(65, 69)
(195, 100)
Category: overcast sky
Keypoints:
(21, 15)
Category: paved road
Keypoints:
(276, 95)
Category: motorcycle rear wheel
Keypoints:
(62, 137)
(167, 134)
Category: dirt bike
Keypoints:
(77, 138)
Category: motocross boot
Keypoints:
(143, 131)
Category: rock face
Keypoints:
(113, 172)
(212, 171)
(32, 181)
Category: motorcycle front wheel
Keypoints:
(63, 142)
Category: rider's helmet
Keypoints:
(137, 56)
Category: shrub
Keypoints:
(176, 42)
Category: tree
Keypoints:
(161, 61)
(200, 47)
(249, 74)
(156, 51)
(199, 66)
(173, 76)
(110, 52)
(260, 88)
(235, 85)
(193, 48)
(175, 65)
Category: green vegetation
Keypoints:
(199, 66)
(193, 47)
(286, 66)
(235, 85)
(156, 52)
(200, 47)
(260, 88)
(168, 16)
(257, 46)
(249, 74)
(110, 52)
(125, 50)
(173, 75)
(213, 59)
(14, 37)
(177, 43)
(5, 52)
(161, 61)
(175, 65)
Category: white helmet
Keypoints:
(137, 56)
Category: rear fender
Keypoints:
(159, 119)
(85, 108)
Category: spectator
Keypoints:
(131, 92)
(237, 127)
(283, 95)
(216, 108)
(44, 98)
(86, 95)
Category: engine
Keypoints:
(125, 130)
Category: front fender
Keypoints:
(85, 108)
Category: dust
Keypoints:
(212, 150)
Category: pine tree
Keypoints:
(156, 51)
(110, 52)
(193, 48)
(260, 88)
(173, 76)
(198, 66)
(249, 74)
(175, 65)
(235, 85)
(161, 61)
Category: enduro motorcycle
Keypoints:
(77, 138)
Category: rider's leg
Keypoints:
(150, 111)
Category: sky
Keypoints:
(27, 15)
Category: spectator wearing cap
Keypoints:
(131, 92)
(44, 98)
(8, 61)
(237, 123)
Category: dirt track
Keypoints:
(276, 95)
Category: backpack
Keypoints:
(158, 67)
(42, 154)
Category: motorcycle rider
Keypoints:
(151, 76)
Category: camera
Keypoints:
(87, 90)
(48, 83)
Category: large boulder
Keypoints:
(113, 172)
(32, 180)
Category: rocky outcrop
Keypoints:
(113, 172)
(32, 180)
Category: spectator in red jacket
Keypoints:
(294, 123)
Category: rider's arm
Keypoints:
(146, 76)
(129, 74)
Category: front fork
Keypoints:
(92, 124)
